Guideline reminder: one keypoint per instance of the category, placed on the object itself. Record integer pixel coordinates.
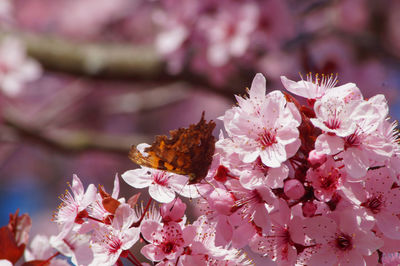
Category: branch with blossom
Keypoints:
(296, 182)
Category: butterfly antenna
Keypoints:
(173, 204)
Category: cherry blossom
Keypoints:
(42, 250)
(319, 86)
(15, 67)
(162, 184)
(111, 241)
(340, 242)
(166, 241)
(73, 208)
(270, 135)
(380, 200)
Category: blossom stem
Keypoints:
(95, 219)
(133, 259)
(52, 257)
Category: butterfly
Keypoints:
(188, 151)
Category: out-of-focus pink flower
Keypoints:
(73, 207)
(75, 22)
(75, 246)
(5, 10)
(5, 263)
(173, 211)
(42, 250)
(16, 68)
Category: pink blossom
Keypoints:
(111, 240)
(279, 243)
(42, 250)
(166, 241)
(254, 204)
(326, 179)
(76, 246)
(16, 68)
(162, 184)
(74, 207)
(380, 200)
(341, 242)
(270, 135)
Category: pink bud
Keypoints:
(309, 208)
(316, 159)
(173, 211)
(294, 189)
(221, 201)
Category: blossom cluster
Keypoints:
(312, 181)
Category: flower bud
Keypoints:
(294, 189)
(309, 208)
(173, 211)
(316, 159)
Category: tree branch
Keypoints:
(71, 141)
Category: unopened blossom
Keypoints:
(16, 68)
(73, 208)
(111, 240)
(294, 189)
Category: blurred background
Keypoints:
(83, 80)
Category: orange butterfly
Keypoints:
(188, 151)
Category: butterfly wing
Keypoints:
(188, 151)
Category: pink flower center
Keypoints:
(374, 204)
(160, 178)
(68, 209)
(330, 181)
(333, 123)
(353, 140)
(343, 242)
(266, 139)
(168, 247)
(114, 245)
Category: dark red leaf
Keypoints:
(9, 249)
